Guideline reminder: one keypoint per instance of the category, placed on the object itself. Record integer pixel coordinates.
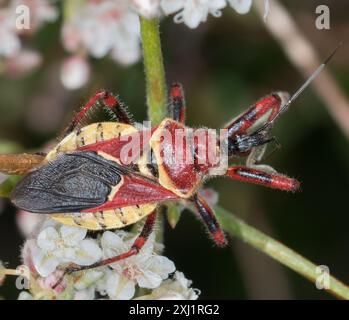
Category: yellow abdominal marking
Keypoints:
(91, 134)
(108, 219)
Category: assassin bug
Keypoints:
(83, 182)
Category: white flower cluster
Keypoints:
(98, 28)
(193, 12)
(147, 275)
(14, 24)
(95, 28)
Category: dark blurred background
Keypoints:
(224, 65)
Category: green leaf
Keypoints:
(7, 186)
(7, 146)
(173, 213)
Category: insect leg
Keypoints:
(19, 163)
(257, 156)
(268, 106)
(208, 217)
(107, 100)
(136, 247)
(271, 180)
(177, 103)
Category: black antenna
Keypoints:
(301, 89)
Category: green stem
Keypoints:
(276, 250)
(155, 84)
(154, 70)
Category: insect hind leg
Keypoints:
(177, 108)
(136, 247)
(106, 100)
(208, 217)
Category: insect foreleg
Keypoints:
(257, 156)
(268, 107)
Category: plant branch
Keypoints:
(154, 70)
(156, 90)
(276, 250)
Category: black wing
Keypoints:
(73, 182)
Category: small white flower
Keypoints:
(22, 63)
(29, 250)
(9, 40)
(146, 8)
(71, 37)
(116, 286)
(88, 279)
(241, 6)
(66, 246)
(51, 281)
(86, 294)
(101, 27)
(192, 12)
(24, 295)
(120, 287)
(146, 269)
(126, 48)
(177, 288)
(75, 72)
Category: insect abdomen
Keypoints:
(91, 134)
(108, 219)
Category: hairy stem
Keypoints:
(156, 90)
(276, 250)
(154, 70)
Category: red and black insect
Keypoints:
(84, 181)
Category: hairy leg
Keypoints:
(267, 107)
(136, 247)
(105, 100)
(177, 102)
(270, 180)
(208, 217)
